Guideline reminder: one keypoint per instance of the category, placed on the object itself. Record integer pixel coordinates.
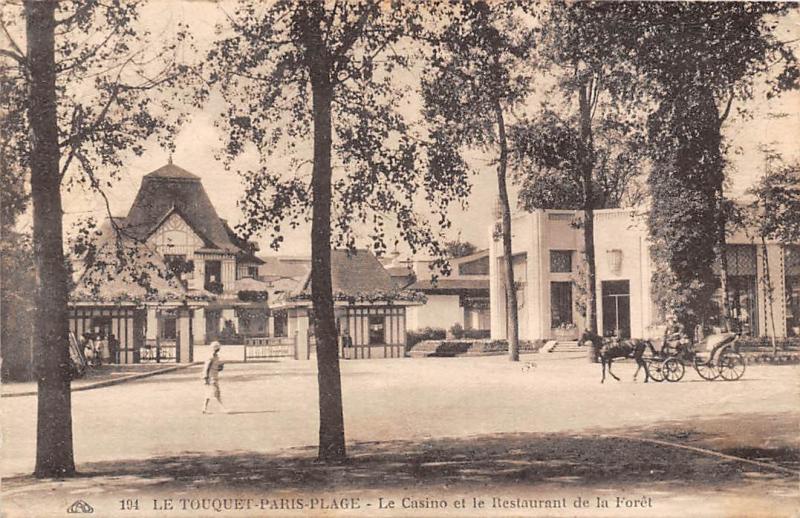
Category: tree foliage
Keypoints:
(458, 248)
(578, 51)
(107, 78)
(549, 149)
(262, 72)
(315, 82)
(702, 58)
(775, 209)
(78, 81)
(479, 73)
(580, 151)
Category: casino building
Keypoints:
(548, 263)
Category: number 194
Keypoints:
(129, 504)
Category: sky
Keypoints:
(773, 122)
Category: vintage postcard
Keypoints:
(370, 258)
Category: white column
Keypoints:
(199, 326)
(152, 324)
(184, 343)
(228, 274)
(302, 335)
(198, 275)
(271, 324)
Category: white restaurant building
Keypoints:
(548, 261)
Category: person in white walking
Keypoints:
(211, 377)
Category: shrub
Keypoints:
(214, 287)
(477, 347)
(756, 342)
(477, 334)
(252, 296)
(457, 331)
(426, 333)
(228, 335)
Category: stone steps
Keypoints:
(568, 347)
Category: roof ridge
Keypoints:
(171, 171)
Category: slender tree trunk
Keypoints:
(54, 456)
(723, 263)
(508, 264)
(587, 167)
(769, 299)
(331, 414)
(722, 222)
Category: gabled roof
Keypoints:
(250, 284)
(142, 277)
(402, 275)
(175, 210)
(356, 273)
(173, 172)
(171, 188)
(284, 267)
(248, 249)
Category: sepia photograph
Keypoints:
(399, 258)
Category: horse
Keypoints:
(608, 350)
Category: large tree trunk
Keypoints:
(54, 457)
(331, 415)
(587, 167)
(508, 265)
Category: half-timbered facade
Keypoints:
(211, 276)
(370, 309)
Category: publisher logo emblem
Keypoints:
(79, 506)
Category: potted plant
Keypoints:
(565, 331)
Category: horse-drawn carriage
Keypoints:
(714, 357)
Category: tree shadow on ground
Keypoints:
(481, 461)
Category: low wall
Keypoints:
(782, 358)
(227, 353)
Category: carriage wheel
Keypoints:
(655, 370)
(731, 365)
(673, 369)
(706, 369)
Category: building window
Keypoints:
(281, 323)
(560, 261)
(741, 259)
(743, 301)
(616, 300)
(213, 276)
(169, 329)
(377, 333)
(560, 304)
